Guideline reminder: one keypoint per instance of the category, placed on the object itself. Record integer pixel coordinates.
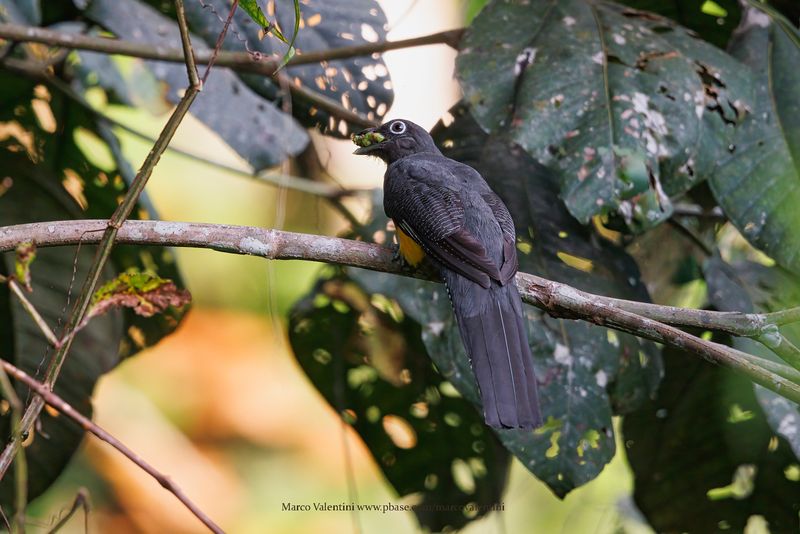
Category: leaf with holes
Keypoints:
(367, 360)
(51, 175)
(627, 106)
(757, 184)
(249, 123)
(704, 458)
(750, 287)
(95, 349)
(360, 84)
(72, 152)
(585, 371)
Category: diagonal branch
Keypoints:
(43, 392)
(106, 243)
(637, 318)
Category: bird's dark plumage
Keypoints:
(448, 209)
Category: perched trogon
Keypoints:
(445, 210)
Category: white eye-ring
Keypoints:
(397, 127)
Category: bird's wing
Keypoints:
(433, 216)
(501, 213)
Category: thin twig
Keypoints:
(220, 40)
(34, 313)
(641, 319)
(777, 343)
(296, 183)
(324, 103)
(188, 51)
(20, 462)
(81, 501)
(691, 235)
(101, 257)
(239, 61)
(86, 424)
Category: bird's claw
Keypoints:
(397, 257)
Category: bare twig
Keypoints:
(777, 343)
(20, 462)
(50, 398)
(81, 501)
(296, 183)
(34, 313)
(641, 319)
(220, 40)
(188, 51)
(103, 252)
(239, 61)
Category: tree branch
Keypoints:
(641, 319)
(238, 61)
(106, 243)
(59, 404)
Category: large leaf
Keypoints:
(61, 150)
(704, 458)
(629, 107)
(94, 350)
(250, 124)
(51, 179)
(584, 371)
(371, 366)
(360, 84)
(758, 182)
(751, 287)
(713, 21)
(21, 11)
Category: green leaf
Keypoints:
(757, 183)
(704, 458)
(753, 288)
(252, 8)
(261, 133)
(593, 89)
(367, 360)
(713, 21)
(143, 292)
(585, 372)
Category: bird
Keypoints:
(445, 210)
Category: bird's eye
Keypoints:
(397, 127)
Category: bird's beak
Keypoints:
(368, 141)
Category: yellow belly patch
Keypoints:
(409, 249)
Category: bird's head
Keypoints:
(394, 140)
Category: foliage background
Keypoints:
(223, 407)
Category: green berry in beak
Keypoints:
(367, 139)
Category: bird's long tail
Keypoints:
(493, 329)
